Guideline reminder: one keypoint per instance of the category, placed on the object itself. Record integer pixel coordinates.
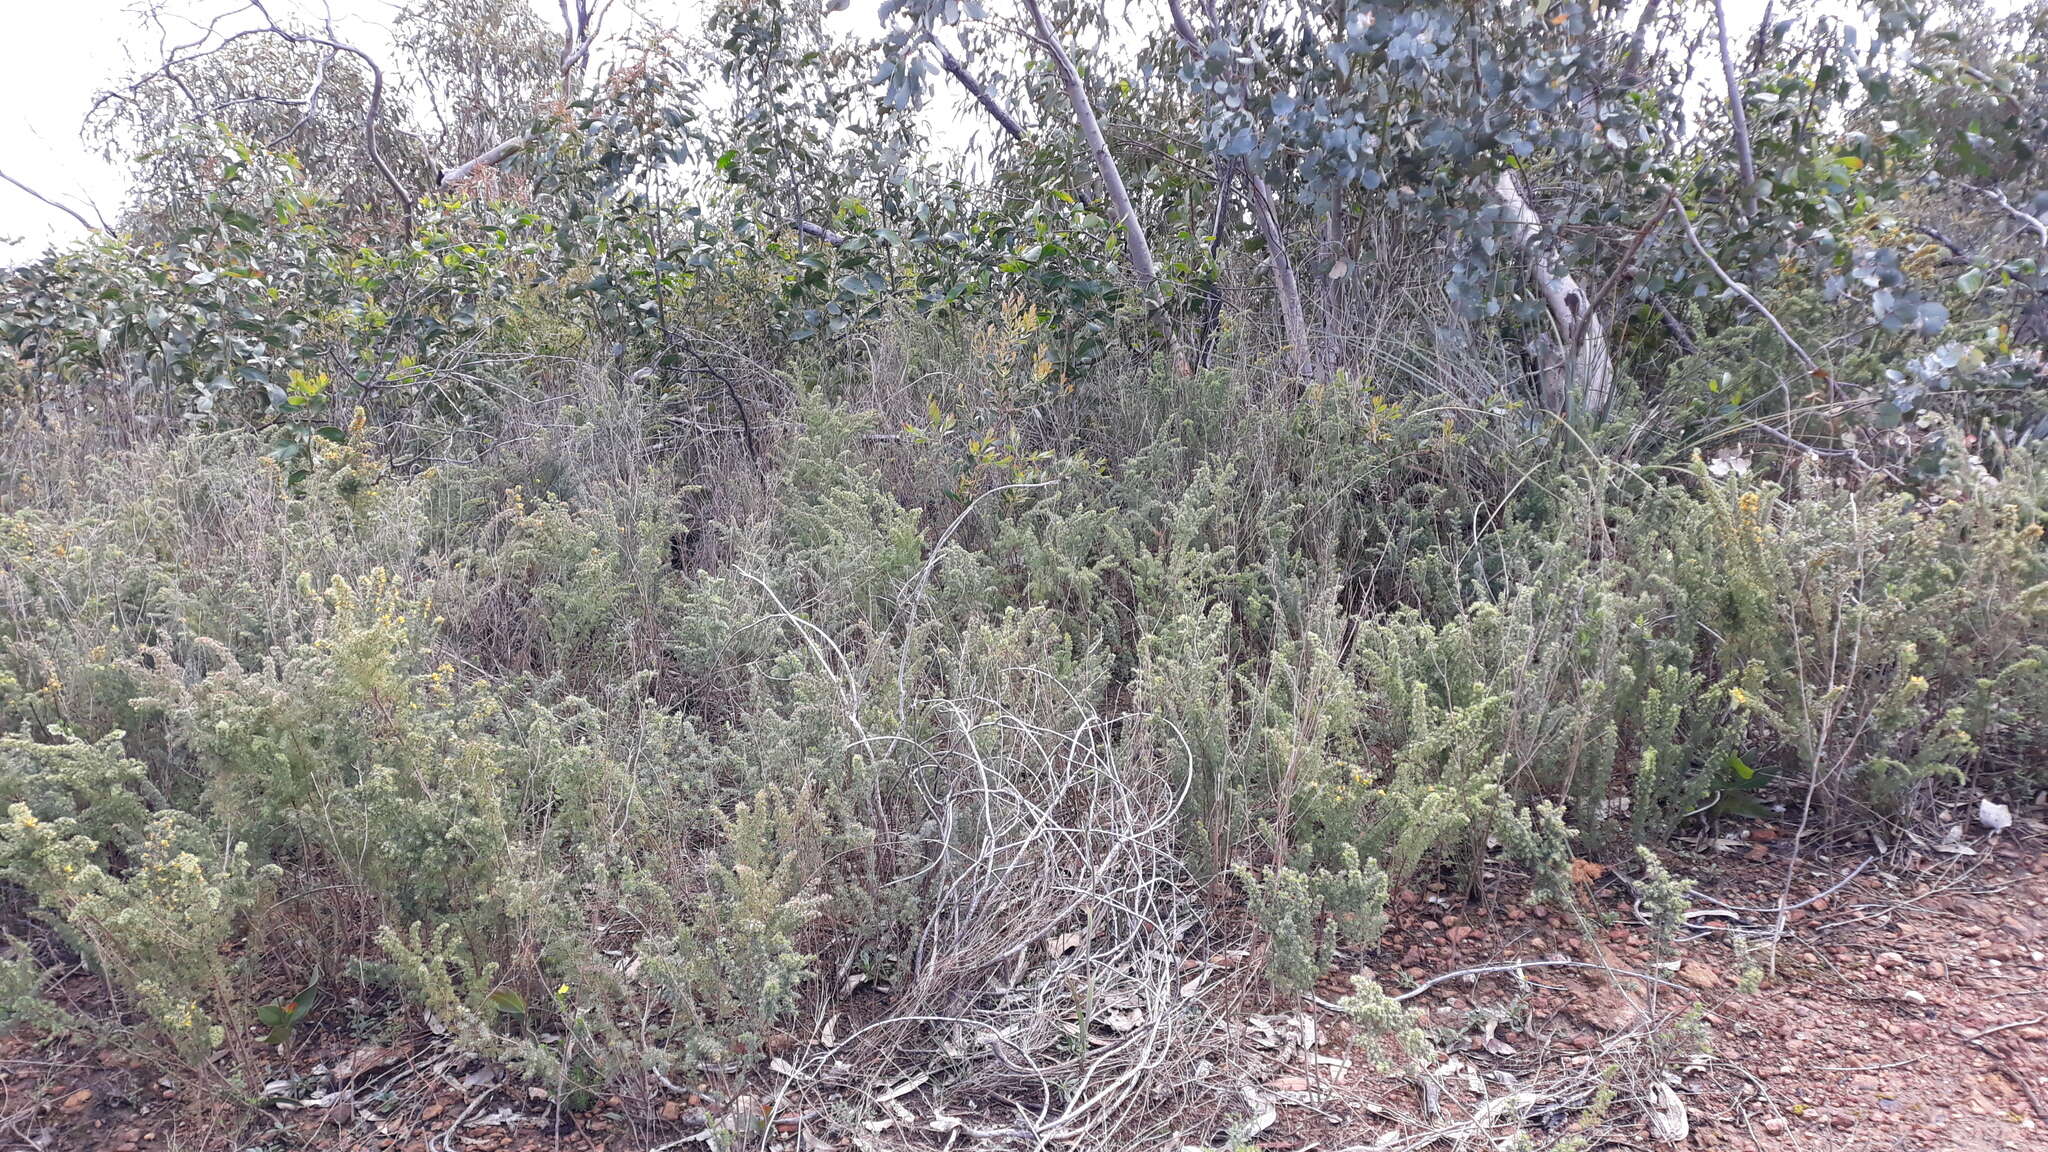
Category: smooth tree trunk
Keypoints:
(1579, 375)
(1745, 161)
(1142, 265)
(1293, 320)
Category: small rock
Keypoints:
(1694, 974)
(1776, 1125)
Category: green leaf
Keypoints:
(1740, 804)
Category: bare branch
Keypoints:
(979, 91)
(1762, 41)
(580, 25)
(1212, 301)
(820, 232)
(1622, 266)
(1292, 320)
(579, 33)
(185, 54)
(1749, 297)
(1675, 326)
(2034, 223)
(1633, 61)
(371, 112)
(64, 208)
(497, 155)
(311, 104)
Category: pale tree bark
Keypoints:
(1293, 322)
(502, 152)
(1579, 374)
(581, 22)
(1745, 161)
(1287, 290)
(1692, 236)
(980, 92)
(1142, 265)
(820, 232)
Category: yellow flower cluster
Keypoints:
(1749, 510)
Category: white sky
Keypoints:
(55, 55)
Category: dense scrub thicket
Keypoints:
(712, 574)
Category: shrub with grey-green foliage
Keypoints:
(1307, 914)
(646, 811)
(1665, 898)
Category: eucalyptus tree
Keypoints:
(1324, 112)
(480, 72)
(291, 86)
